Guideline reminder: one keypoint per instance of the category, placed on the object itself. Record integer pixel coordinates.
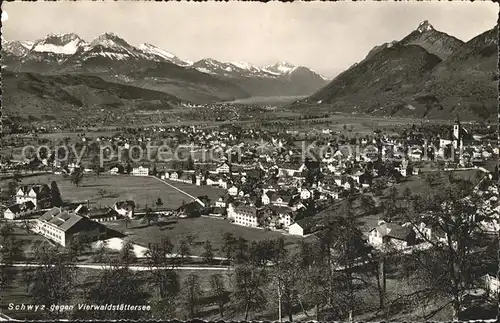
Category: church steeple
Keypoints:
(457, 129)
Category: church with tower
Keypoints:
(461, 136)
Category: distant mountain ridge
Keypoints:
(426, 74)
(114, 59)
(62, 96)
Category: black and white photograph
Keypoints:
(249, 161)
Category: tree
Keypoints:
(79, 244)
(77, 176)
(367, 203)
(28, 277)
(184, 250)
(17, 177)
(314, 285)
(208, 253)
(150, 216)
(393, 194)
(10, 244)
(54, 282)
(190, 163)
(495, 174)
(389, 210)
(127, 221)
(286, 273)
(128, 168)
(229, 246)
(219, 292)
(241, 251)
(192, 294)
(249, 288)
(127, 255)
(9, 252)
(343, 244)
(12, 189)
(407, 193)
(101, 255)
(165, 280)
(191, 238)
(96, 163)
(448, 266)
(55, 194)
(102, 192)
(116, 285)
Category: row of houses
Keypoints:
(29, 198)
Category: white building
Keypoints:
(224, 168)
(125, 208)
(61, 226)
(301, 227)
(38, 194)
(305, 194)
(17, 210)
(233, 191)
(140, 171)
(246, 215)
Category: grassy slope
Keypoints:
(66, 95)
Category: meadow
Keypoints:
(107, 189)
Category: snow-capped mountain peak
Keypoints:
(280, 68)
(155, 50)
(245, 66)
(66, 44)
(163, 54)
(109, 40)
(424, 26)
(16, 48)
(27, 44)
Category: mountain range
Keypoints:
(147, 66)
(426, 74)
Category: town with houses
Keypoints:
(265, 181)
(138, 185)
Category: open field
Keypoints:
(143, 190)
(202, 228)
(213, 193)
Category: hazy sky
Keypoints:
(327, 37)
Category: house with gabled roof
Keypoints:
(233, 190)
(393, 234)
(213, 180)
(223, 168)
(281, 199)
(267, 196)
(283, 216)
(125, 208)
(306, 193)
(18, 210)
(62, 226)
(38, 194)
(304, 227)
